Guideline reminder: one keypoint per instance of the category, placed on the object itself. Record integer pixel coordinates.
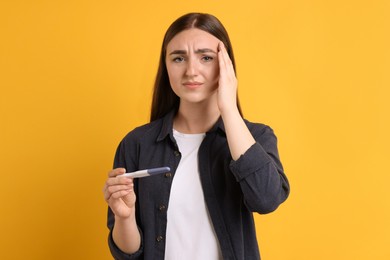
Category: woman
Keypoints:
(223, 167)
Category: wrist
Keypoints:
(230, 112)
(125, 217)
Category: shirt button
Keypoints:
(162, 207)
(159, 238)
(168, 175)
(177, 153)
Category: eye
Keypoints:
(178, 59)
(207, 58)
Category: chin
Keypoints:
(196, 100)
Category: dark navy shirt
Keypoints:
(233, 190)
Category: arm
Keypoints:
(256, 163)
(125, 238)
(260, 173)
(120, 196)
(227, 103)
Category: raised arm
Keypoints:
(238, 135)
(256, 164)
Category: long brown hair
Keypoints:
(164, 99)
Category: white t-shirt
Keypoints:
(190, 233)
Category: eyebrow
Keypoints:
(204, 50)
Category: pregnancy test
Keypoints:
(146, 173)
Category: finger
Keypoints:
(116, 172)
(112, 191)
(118, 181)
(224, 53)
(114, 184)
(222, 64)
(120, 194)
(228, 62)
(107, 195)
(225, 61)
(116, 188)
(221, 56)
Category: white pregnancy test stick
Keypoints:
(146, 173)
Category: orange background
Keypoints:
(76, 76)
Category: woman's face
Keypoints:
(192, 63)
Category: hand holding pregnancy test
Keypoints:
(146, 172)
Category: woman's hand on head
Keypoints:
(227, 89)
(119, 193)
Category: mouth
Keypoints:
(192, 84)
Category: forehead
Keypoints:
(193, 38)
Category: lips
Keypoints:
(192, 84)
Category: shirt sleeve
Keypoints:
(260, 173)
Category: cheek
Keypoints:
(173, 71)
(173, 78)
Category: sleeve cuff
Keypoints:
(118, 254)
(251, 161)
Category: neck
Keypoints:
(196, 118)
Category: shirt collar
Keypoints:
(167, 126)
(218, 126)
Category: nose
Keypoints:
(192, 68)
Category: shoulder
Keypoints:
(258, 128)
